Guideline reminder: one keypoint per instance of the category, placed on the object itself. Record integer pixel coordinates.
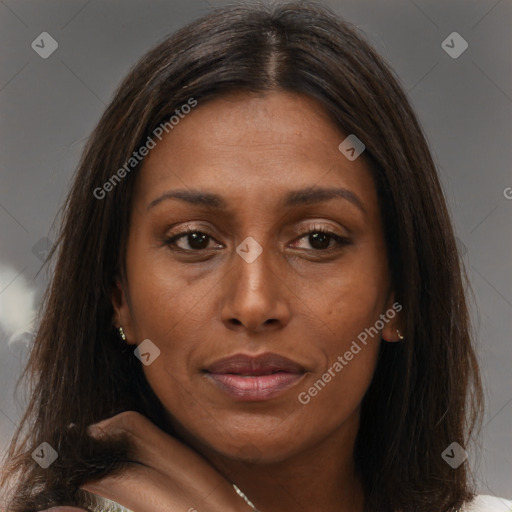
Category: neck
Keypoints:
(320, 477)
(303, 485)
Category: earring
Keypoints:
(399, 334)
(122, 334)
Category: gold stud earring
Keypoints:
(122, 334)
(399, 334)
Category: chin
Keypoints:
(255, 454)
(265, 447)
(253, 438)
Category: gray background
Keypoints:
(49, 106)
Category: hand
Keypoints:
(167, 475)
(64, 509)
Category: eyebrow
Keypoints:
(310, 195)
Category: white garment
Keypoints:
(94, 503)
(488, 504)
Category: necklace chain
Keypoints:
(245, 498)
(250, 503)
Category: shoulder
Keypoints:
(488, 504)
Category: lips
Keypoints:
(257, 378)
(265, 364)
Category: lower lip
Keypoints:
(255, 388)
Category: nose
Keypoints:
(255, 295)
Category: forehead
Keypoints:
(247, 143)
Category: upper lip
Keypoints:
(264, 364)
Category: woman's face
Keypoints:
(252, 177)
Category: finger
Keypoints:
(137, 490)
(143, 490)
(182, 472)
(64, 509)
(154, 448)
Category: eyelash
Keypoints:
(340, 240)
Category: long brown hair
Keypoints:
(426, 392)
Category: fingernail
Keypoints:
(95, 431)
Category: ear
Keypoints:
(394, 329)
(122, 312)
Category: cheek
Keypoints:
(168, 311)
(333, 397)
(163, 297)
(347, 297)
(333, 392)
(345, 305)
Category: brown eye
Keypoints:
(190, 240)
(321, 240)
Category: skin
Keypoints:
(297, 300)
